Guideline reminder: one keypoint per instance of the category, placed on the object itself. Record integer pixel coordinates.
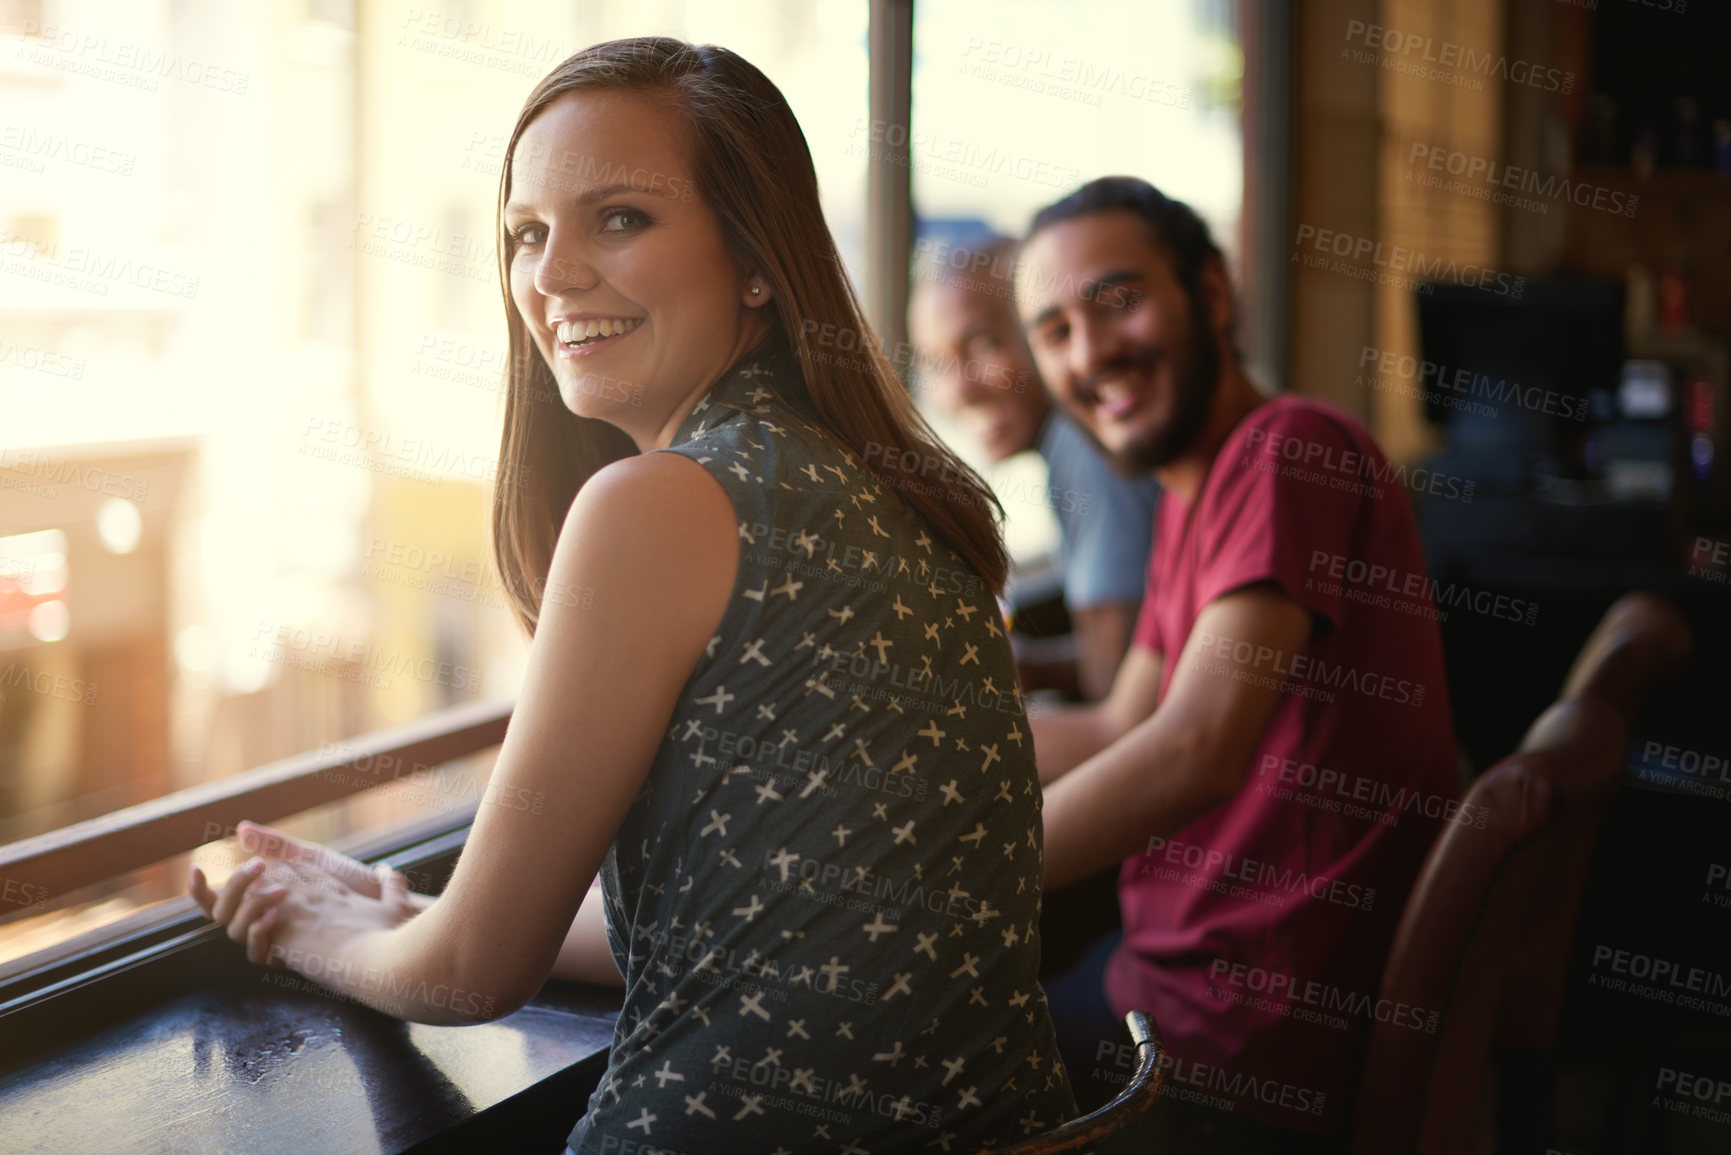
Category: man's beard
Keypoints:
(1196, 379)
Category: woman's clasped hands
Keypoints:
(302, 905)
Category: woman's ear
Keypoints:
(756, 292)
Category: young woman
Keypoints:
(768, 696)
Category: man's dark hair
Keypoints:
(1173, 226)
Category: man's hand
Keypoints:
(1067, 736)
(1103, 634)
(1192, 754)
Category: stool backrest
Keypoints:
(1484, 938)
(1641, 641)
(1137, 1097)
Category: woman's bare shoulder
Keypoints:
(643, 516)
(655, 491)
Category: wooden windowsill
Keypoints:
(182, 1045)
(256, 1067)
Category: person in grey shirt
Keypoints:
(969, 346)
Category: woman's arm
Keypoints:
(584, 957)
(654, 538)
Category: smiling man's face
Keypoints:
(969, 347)
(1118, 341)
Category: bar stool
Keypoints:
(1485, 935)
(1138, 1095)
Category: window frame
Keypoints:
(103, 848)
(139, 836)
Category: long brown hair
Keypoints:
(753, 169)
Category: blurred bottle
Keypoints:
(1673, 299)
(1686, 133)
(1640, 302)
(1644, 154)
(1599, 141)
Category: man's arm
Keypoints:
(1102, 639)
(1067, 736)
(1190, 756)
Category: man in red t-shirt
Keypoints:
(1276, 755)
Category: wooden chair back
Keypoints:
(1138, 1096)
(1485, 934)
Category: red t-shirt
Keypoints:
(1256, 936)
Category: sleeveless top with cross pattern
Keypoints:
(825, 900)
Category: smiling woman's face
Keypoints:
(618, 268)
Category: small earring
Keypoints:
(756, 289)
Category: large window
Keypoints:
(1012, 112)
(251, 347)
